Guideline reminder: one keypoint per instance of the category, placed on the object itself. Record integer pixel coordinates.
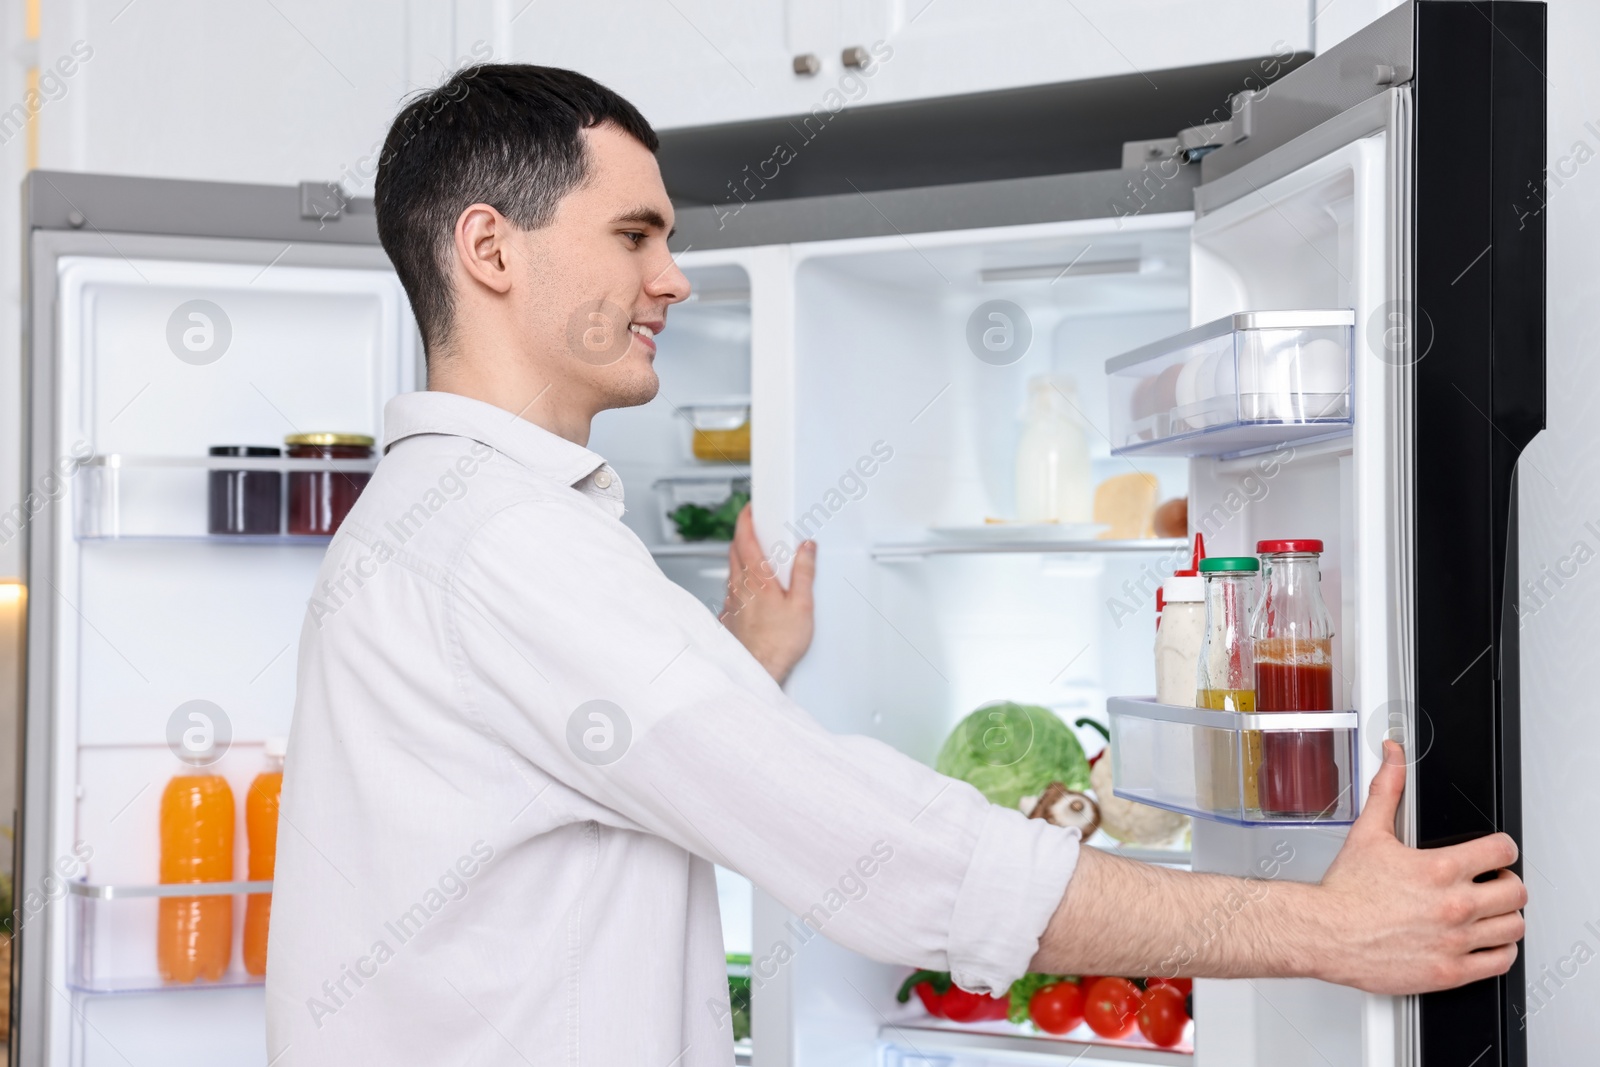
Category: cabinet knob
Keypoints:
(855, 57)
(807, 63)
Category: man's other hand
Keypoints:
(774, 623)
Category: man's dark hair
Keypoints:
(508, 135)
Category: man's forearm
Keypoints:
(1122, 917)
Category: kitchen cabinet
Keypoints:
(698, 62)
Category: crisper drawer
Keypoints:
(1250, 381)
(1269, 768)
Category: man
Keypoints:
(518, 748)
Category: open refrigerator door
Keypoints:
(158, 630)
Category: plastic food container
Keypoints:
(709, 492)
(244, 501)
(1251, 380)
(320, 499)
(719, 430)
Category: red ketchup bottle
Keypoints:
(1293, 637)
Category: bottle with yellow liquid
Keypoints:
(1226, 773)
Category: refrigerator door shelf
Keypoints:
(1265, 769)
(923, 1041)
(167, 498)
(1243, 383)
(917, 550)
(111, 936)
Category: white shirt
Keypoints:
(517, 750)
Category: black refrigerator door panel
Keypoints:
(1480, 388)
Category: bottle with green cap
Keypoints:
(1226, 681)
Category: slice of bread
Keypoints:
(1127, 503)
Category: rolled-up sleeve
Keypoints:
(558, 616)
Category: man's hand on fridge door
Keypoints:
(1385, 918)
(1408, 920)
(774, 623)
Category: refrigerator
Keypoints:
(1366, 218)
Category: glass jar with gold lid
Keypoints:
(320, 499)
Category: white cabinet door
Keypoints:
(681, 62)
(698, 62)
(943, 47)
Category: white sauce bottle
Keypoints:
(1182, 629)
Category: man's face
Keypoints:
(601, 277)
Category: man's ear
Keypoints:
(482, 240)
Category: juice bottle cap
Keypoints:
(276, 747)
(1184, 588)
(1229, 564)
(1268, 548)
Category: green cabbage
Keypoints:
(1009, 751)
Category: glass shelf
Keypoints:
(924, 1041)
(166, 498)
(111, 936)
(692, 550)
(915, 550)
(1245, 383)
(1273, 768)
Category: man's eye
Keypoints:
(635, 237)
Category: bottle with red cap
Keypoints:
(1293, 637)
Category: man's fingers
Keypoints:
(1383, 799)
(744, 533)
(1497, 931)
(745, 557)
(1504, 894)
(803, 574)
(1477, 966)
(1483, 854)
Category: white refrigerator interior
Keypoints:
(903, 443)
(160, 612)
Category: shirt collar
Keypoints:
(536, 448)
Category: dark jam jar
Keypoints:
(319, 500)
(244, 501)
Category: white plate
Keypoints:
(1022, 531)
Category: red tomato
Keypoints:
(1161, 1016)
(1058, 1008)
(1112, 1007)
(1182, 985)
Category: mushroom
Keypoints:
(1060, 806)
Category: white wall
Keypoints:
(1334, 20)
(1560, 486)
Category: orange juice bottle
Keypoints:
(194, 935)
(261, 825)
